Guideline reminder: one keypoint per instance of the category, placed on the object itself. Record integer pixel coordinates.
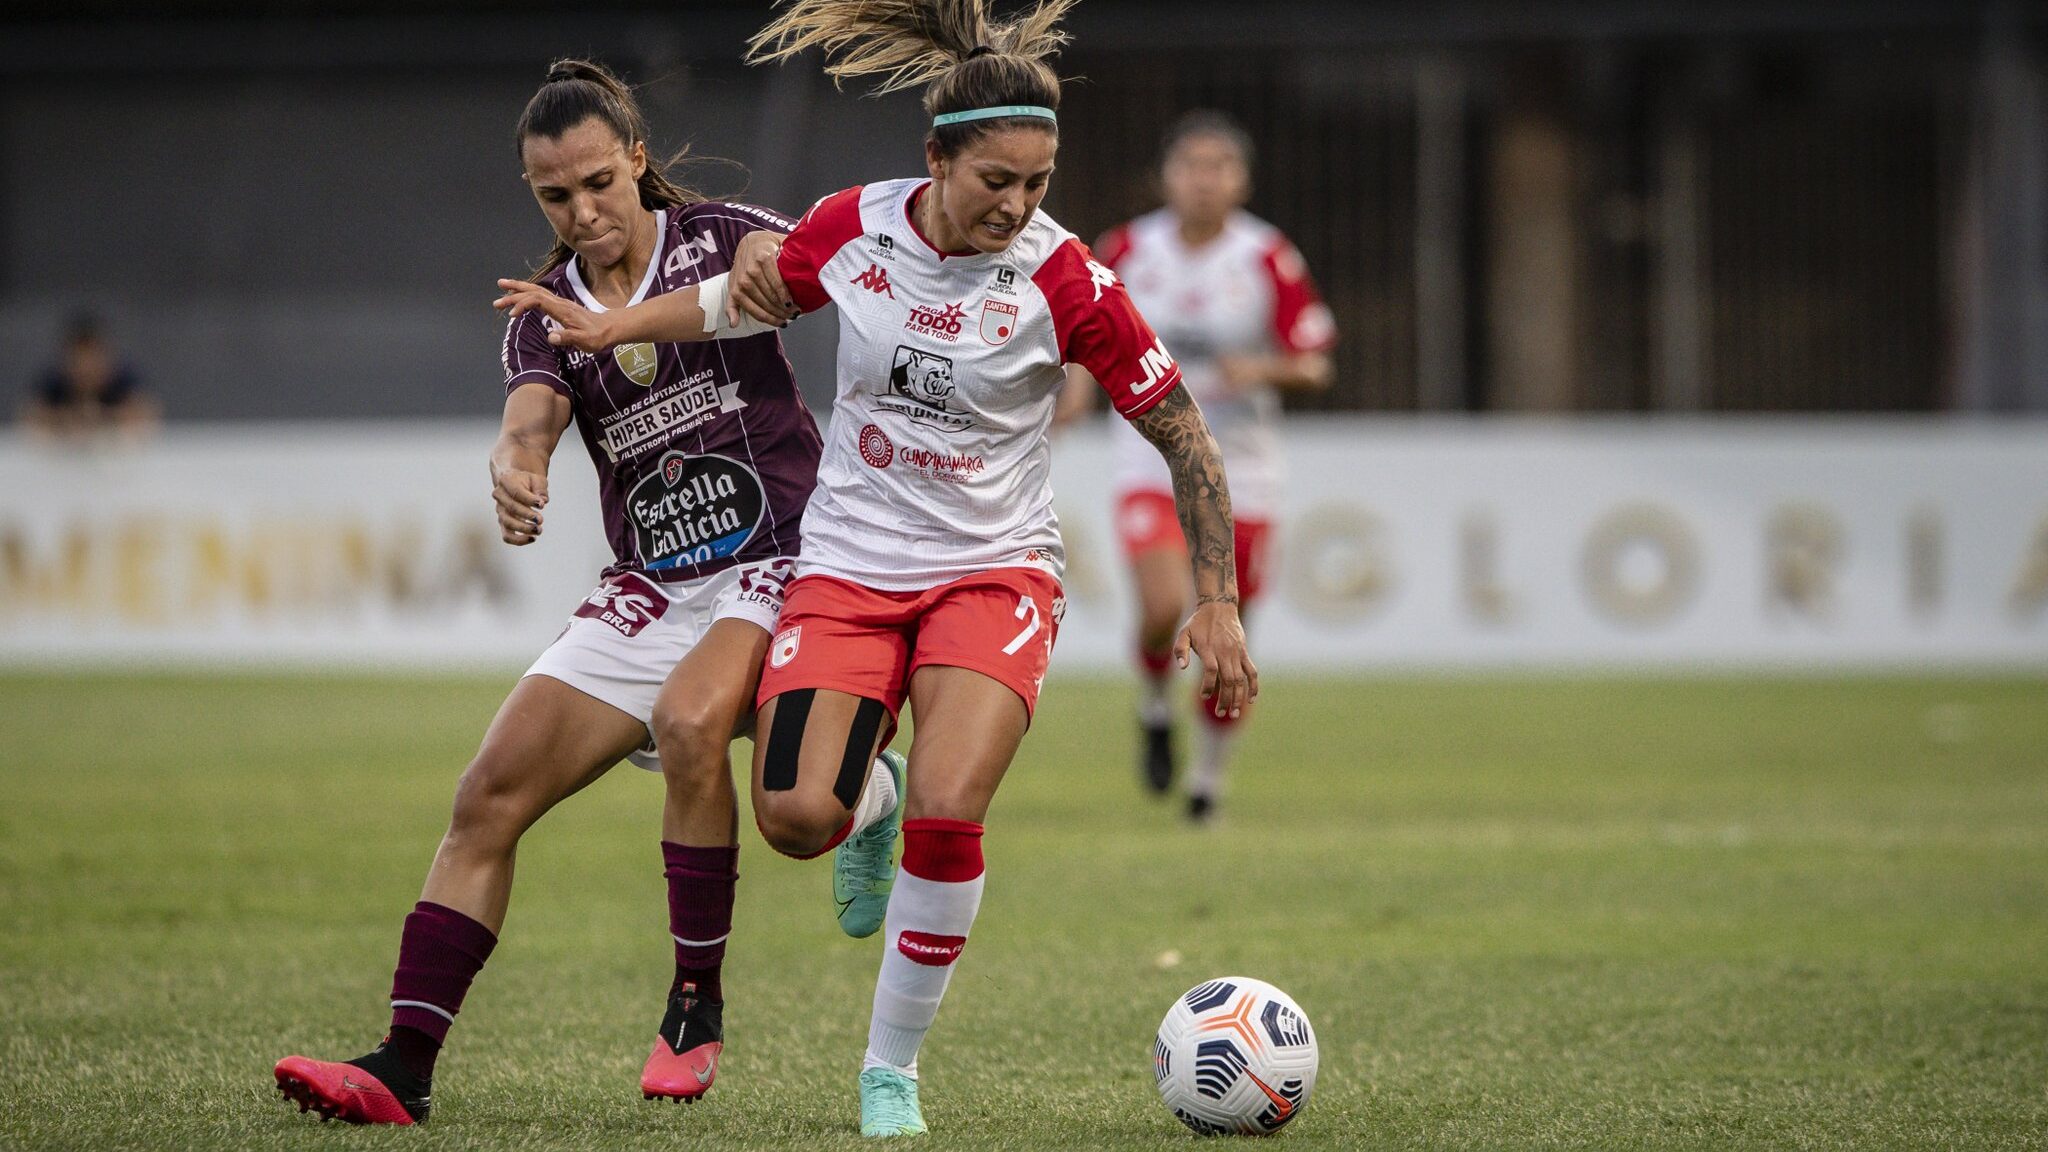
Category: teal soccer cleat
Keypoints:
(888, 1104)
(863, 871)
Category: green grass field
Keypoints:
(1522, 914)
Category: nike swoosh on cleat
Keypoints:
(703, 1074)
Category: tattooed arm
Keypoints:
(1201, 497)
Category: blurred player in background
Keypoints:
(89, 392)
(1235, 304)
(706, 456)
(932, 558)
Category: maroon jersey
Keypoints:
(705, 452)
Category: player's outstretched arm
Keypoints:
(1201, 497)
(535, 416)
(697, 312)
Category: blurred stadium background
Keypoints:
(1709, 338)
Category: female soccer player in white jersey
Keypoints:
(932, 559)
(1233, 299)
(706, 457)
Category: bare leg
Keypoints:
(707, 702)
(547, 742)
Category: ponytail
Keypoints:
(578, 90)
(965, 59)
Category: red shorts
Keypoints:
(1146, 520)
(840, 635)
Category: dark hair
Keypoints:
(965, 59)
(82, 327)
(1207, 122)
(578, 90)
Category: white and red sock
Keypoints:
(877, 800)
(938, 891)
(1156, 675)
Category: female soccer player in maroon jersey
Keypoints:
(706, 456)
(932, 558)
(1234, 300)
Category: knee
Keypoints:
(798, 825)
(490, 809)
(692, 738)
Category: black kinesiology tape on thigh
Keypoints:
(786, 739)
(860, 750)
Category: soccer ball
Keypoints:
(1235, 1055)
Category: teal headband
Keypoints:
(945, 118)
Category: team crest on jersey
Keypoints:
(625, 602)
(638, 362)
(998, 321)
(691, 510)
(921, 387)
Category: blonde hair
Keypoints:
(965, 58)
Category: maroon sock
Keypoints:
(440, 953)
(700, 893)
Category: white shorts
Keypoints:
(628, 635)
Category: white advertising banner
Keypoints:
(1404, 543)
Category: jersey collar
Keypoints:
(646, 278)
(910, 218)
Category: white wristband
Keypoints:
(711, 298)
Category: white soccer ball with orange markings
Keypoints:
(1235, 1056)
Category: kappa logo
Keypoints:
(876, 280)
(638, 361)
(626, 602)
(1101, 276)
(1156, 363)
(784, 649)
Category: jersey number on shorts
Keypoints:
(1026, 608)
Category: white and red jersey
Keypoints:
(1247, 292)
(936, 463)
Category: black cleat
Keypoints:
(1157, 763)
(1201, 808)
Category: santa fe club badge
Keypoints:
(998, 320)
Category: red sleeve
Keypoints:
(831, 224)
(1114, 245)
(1099, 328)
(1301, 321)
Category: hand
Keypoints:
(1215, 634)
(755, 282)
(520, 496)
(574, 325)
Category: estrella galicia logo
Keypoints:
(691, 510)
(921, 387)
